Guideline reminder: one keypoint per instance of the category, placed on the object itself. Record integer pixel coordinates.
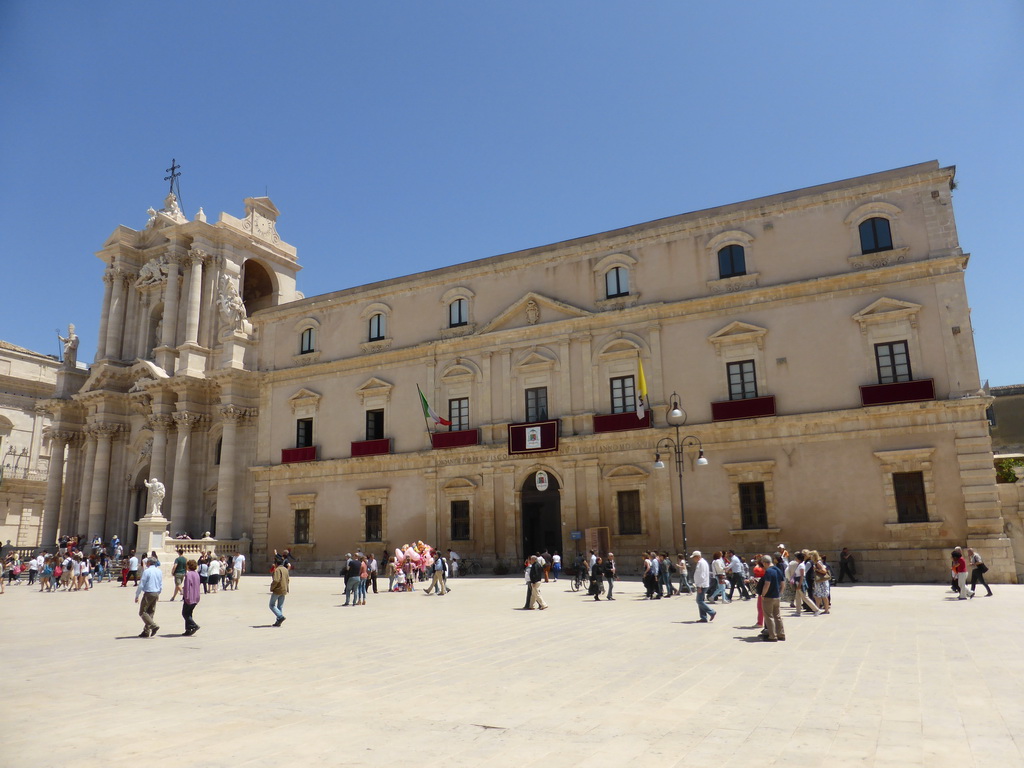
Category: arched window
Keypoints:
(731, 261)
(378, 327)
(875, 235)
(307, 341)
(458, 313)
(616, 282)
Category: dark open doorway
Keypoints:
(541, 517)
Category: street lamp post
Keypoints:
(676, 417)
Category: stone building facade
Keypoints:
(25, 378)
(818, 341)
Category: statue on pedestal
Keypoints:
(156, 497)
(70, 347)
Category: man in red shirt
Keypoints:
(960, 570)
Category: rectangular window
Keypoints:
(616, 282)
(377, 327)
(374, 514)
(753, 510)
(742, 381)
(458, 313)
(629, 513)
(301, 533)
(911, 506)
(623, 395)
(460, 520)
(458, 414)
(306, 341)
(303, 433)
(537, 404)
(375, 424)
(893, 362)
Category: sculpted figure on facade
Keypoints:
(230, 304)
(156, 497)
(70, 343)
(153, 272)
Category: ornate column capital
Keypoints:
(195, 256)
(160, 422)
(59, 435)
(186, 420)
(104, 430)
(235, 413)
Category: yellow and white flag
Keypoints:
(641, 390)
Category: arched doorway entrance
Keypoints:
(541, 516)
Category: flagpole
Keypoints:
(426, 425)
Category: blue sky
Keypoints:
(402, 136)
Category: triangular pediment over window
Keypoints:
(738, 333)
(886, 310)
(374, 387)
(304, 398)
(533, 309)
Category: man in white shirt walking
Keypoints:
(149, 589)
(701, 581)
(238, 566)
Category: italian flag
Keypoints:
(428, 412)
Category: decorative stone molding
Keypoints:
(380, 345)
(733, 284)
(879, 260)
(237, 413)
(374, 392)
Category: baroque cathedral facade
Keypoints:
(817, 344)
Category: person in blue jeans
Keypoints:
(701, 581)
(278, 591)
(718, 584)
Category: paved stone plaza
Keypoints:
(900, 675)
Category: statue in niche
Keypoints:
(156, 497)
(70, 347)
(230, 304)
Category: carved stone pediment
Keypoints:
(532, 309)
(738, 333)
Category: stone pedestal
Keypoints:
(152, 534)
(235, 345)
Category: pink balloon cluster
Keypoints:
(417, 554)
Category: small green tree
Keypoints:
(1004, 470)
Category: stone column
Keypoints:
(72, 483)
(108, 283)
(129, 340)
(82, 517)
(194, 280)
(158, 458)
(207, 307)
(231, 416)
(170, 320)
(115, 318)
(104, 433)
(54, 487)
(185, 421)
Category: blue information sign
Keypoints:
(575, 535)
